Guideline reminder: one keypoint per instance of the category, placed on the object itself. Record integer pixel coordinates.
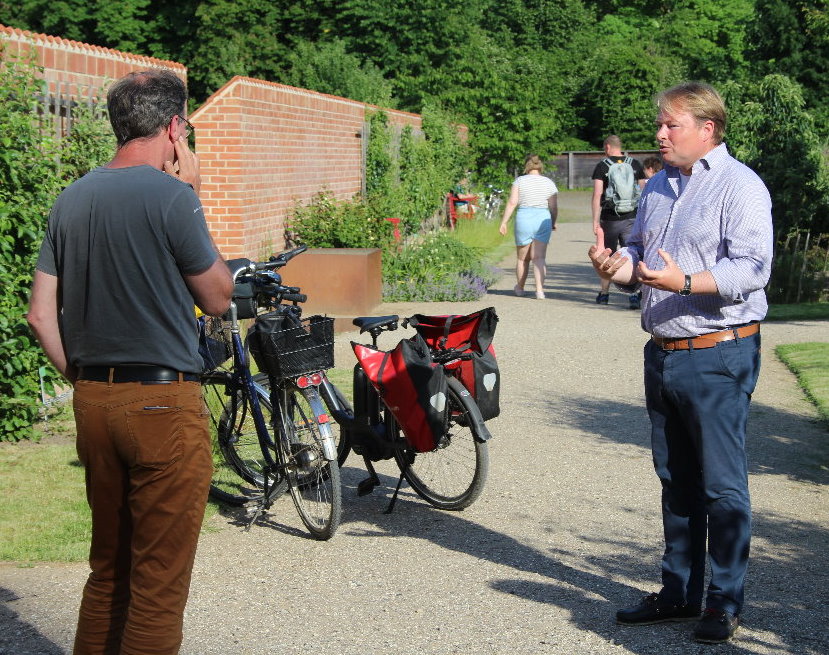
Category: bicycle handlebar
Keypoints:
(242, 266)
(278, 261)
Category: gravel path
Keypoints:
(567, 530)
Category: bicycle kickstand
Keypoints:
(258, 507)
(390, 508)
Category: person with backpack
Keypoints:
(617, 183)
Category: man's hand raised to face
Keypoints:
(186, 166)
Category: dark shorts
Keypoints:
(616, 233)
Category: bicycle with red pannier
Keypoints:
(424, 404)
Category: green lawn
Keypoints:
(810, 363)
(44, 516)
(814, 311)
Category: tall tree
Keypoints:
(325, 66)
(791, 37)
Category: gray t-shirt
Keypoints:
(120, 240)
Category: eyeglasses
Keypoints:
(189, 129)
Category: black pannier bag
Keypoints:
(412, 386)
(284, 346)
(214, 346)
(471, 333)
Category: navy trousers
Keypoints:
(698, 402)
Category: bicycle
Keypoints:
(270, 431)
(450, 477)
(492, 204)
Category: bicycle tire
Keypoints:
(238, 462)
(314, 482)
(452, 476)
(339, 403)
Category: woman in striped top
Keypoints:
(535, 197)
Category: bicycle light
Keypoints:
(305, 381)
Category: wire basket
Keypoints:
(284, 346)
(214, 342)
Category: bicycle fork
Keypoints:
(329, 447)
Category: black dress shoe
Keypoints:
(653, 610)
(716, 626)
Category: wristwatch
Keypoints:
(686, 290)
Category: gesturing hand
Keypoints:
(605, 261)
(186, 167)
(670, 278)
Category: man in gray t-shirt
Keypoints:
(125, 258)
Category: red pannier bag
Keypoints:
(412, 386)
(471, 333)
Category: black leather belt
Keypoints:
(144, 374)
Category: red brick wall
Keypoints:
(71, 67)
(264, 147)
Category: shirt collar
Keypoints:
(711, 159)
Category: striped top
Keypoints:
(719, 221)
(533, 190)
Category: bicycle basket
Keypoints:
(214, 342)
(284, 346)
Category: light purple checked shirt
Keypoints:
(720, 222)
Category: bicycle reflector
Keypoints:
(305, 381)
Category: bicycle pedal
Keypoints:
(365, 487)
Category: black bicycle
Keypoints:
(271, 431)
(452, 475)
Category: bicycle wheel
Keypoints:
(314, 481)
(453, 475)
(237, 455)
(338, 403)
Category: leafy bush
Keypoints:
(32, 173)
(328, 223)
(435, 267)
(790, 159)
(28, 185)
(408, 177)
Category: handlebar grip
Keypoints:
(295, 297)
(278, 261)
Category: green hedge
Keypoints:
(34, 167)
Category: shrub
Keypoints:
(328, 223)
(33, 169)
(435, 267)
(28, 185)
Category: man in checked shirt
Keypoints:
(701, 250)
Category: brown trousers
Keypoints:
(146, 451)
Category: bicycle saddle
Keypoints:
(366, 323)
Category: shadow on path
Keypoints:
(781, 613)
(18, 637)
(779, 442)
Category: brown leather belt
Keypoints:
(707, 340)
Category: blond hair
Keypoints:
(698, 99)
(533, 163)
